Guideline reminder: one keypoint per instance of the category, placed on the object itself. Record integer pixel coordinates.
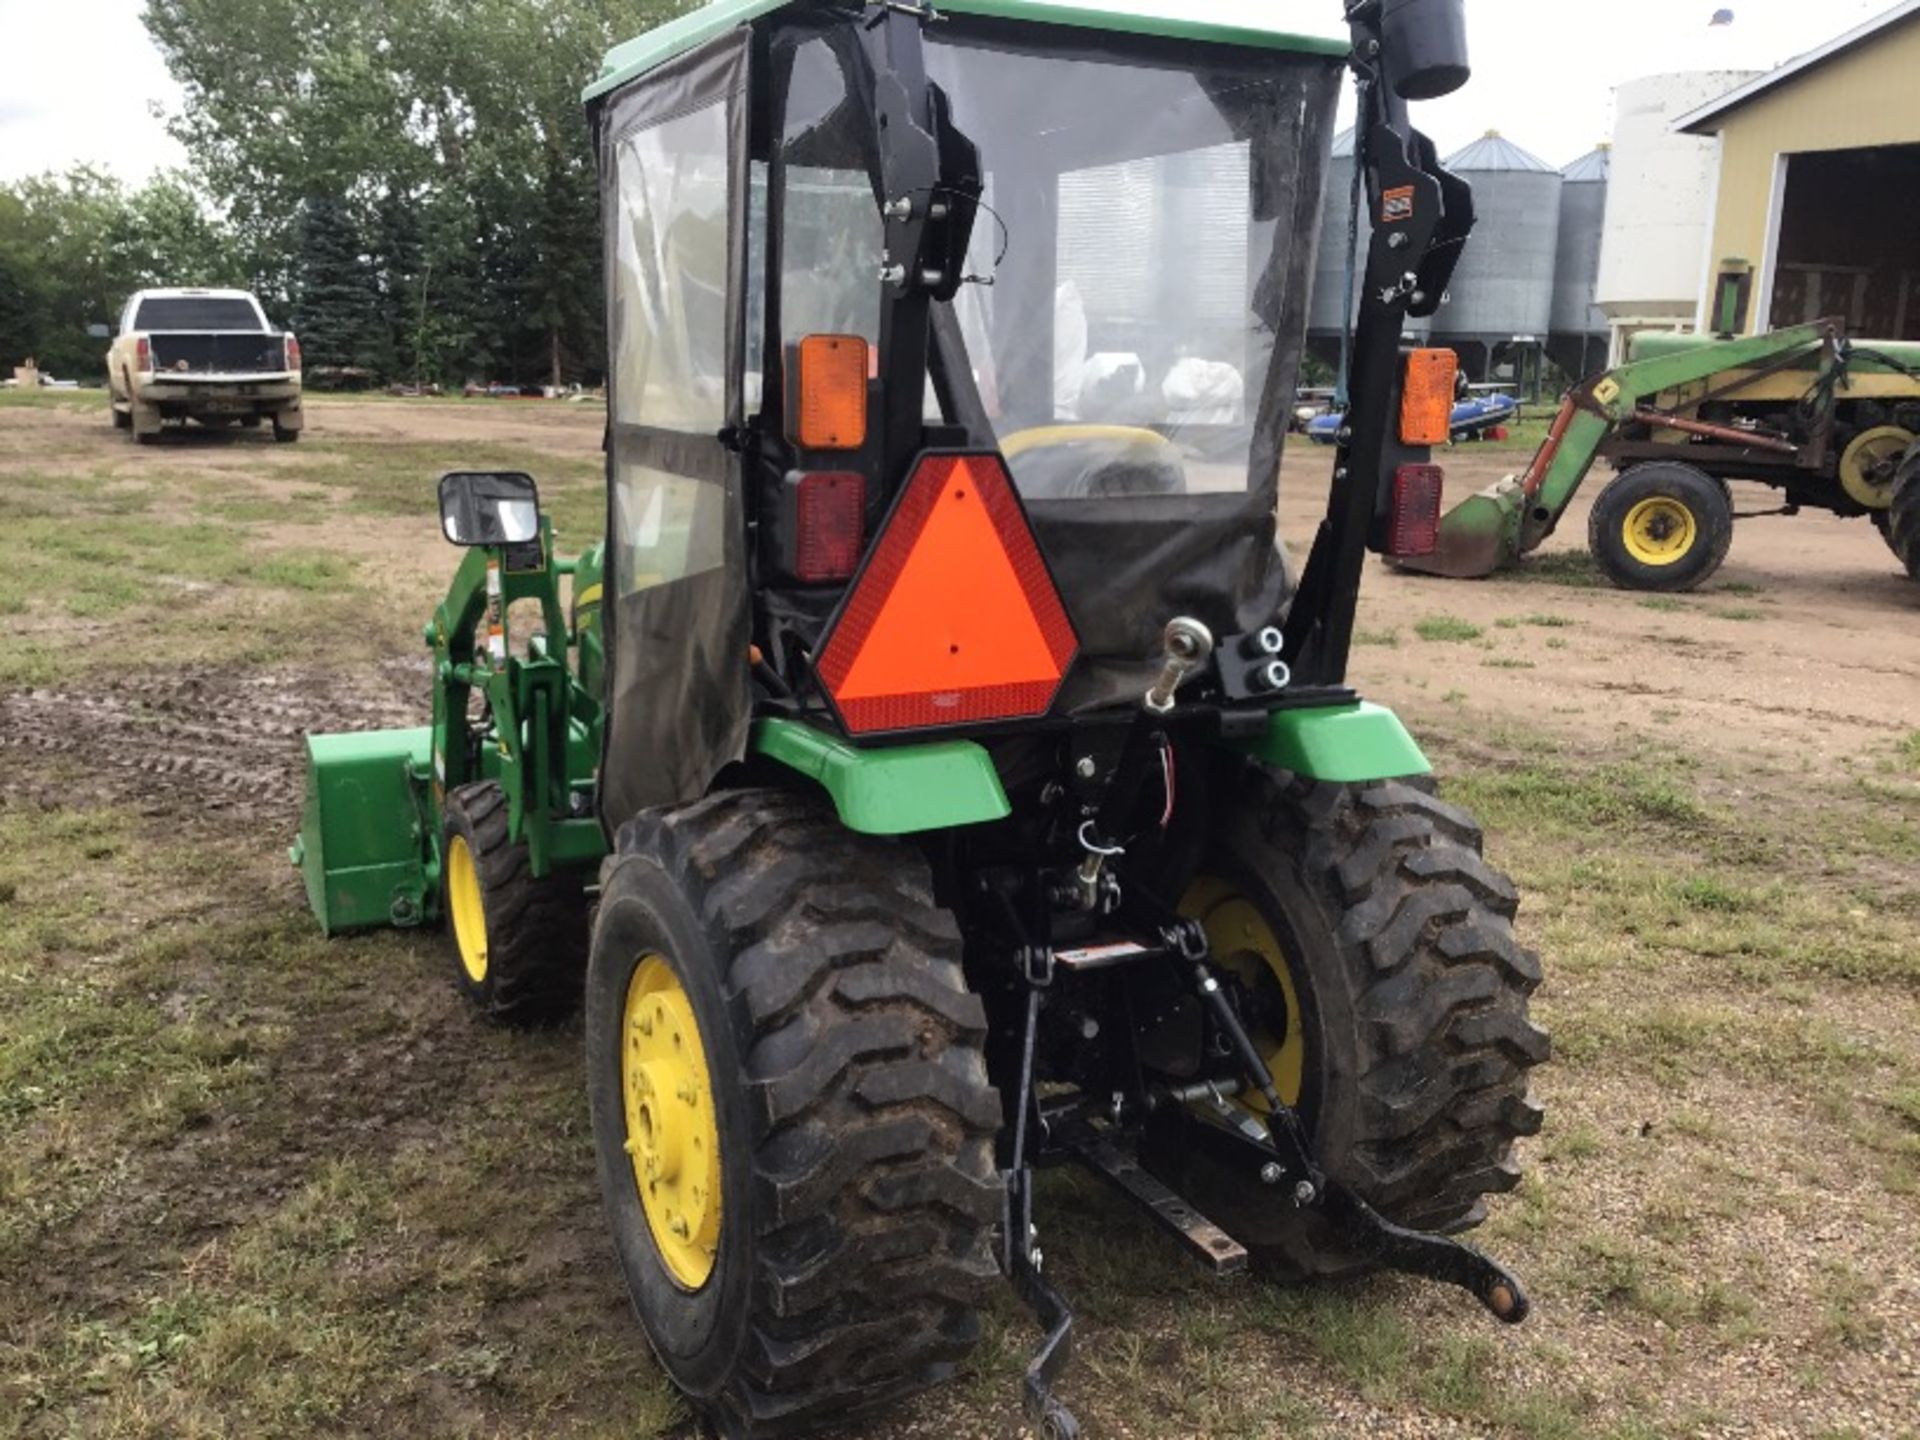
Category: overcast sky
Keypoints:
(80, 81)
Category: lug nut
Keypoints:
(1303, 1193)
(1271, 1173)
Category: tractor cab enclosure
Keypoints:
(1064, 266)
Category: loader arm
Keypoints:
(1513, 516)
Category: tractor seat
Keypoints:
(1083, 462)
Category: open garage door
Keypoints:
(1849, 241)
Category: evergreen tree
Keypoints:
(335, 294)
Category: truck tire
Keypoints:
(1661, 526)
(1375, 948)
(122, 419)
(519, 943)
(285, 434)
(1902, 524)
(791, 1112)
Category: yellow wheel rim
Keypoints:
(1870, 463)
(673, 1138)
(1241, 941)
(468, 913)
(1659, 530)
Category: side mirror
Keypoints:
(489, 507)
(1426, 47)
(99, 332)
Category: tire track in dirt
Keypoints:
(216, 746)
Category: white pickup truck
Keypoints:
(203, 355)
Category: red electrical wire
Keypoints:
(1166, 774)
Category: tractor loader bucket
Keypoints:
(1477, 537)
(363, 848)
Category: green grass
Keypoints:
(1447, 629)
(399, 480)
(1544, 795)
(1666, 604)
(1538, 619)
(1573, 568)
(1740, 612)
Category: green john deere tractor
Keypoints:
(941, 773)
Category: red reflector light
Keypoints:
(954, 619)
(1415, 521)
(143, 355)
(829, 524)
(293, 353)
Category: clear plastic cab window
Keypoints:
(670, 274)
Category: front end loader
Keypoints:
(1825, 421)
(940, 773)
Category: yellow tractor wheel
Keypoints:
(519, 943)
(1661, 526)
(791, 1112)
(1372, 947)
(673, 1139)
(1870, 465)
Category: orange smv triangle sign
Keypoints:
(954, 619)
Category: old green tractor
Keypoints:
(941, 773)
(1831, 424)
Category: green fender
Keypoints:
(1346, 744)
(894, 790)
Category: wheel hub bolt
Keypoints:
(1303, 1193)
(1271, 1173)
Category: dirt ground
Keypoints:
(254, 1182)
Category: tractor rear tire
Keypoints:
(848, 1088)
(1412, 996)
(519, 943)
(1902, 523)
(1661, 525)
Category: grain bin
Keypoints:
(1501, 298)
(1577, 332)
(1660, 189)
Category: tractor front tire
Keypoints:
(519, 943)
(777, 993)
(1406, 997)
(1901, 522)
(1661, 526)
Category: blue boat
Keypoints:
(1472, 419)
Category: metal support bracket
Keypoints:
(1114, 1160)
